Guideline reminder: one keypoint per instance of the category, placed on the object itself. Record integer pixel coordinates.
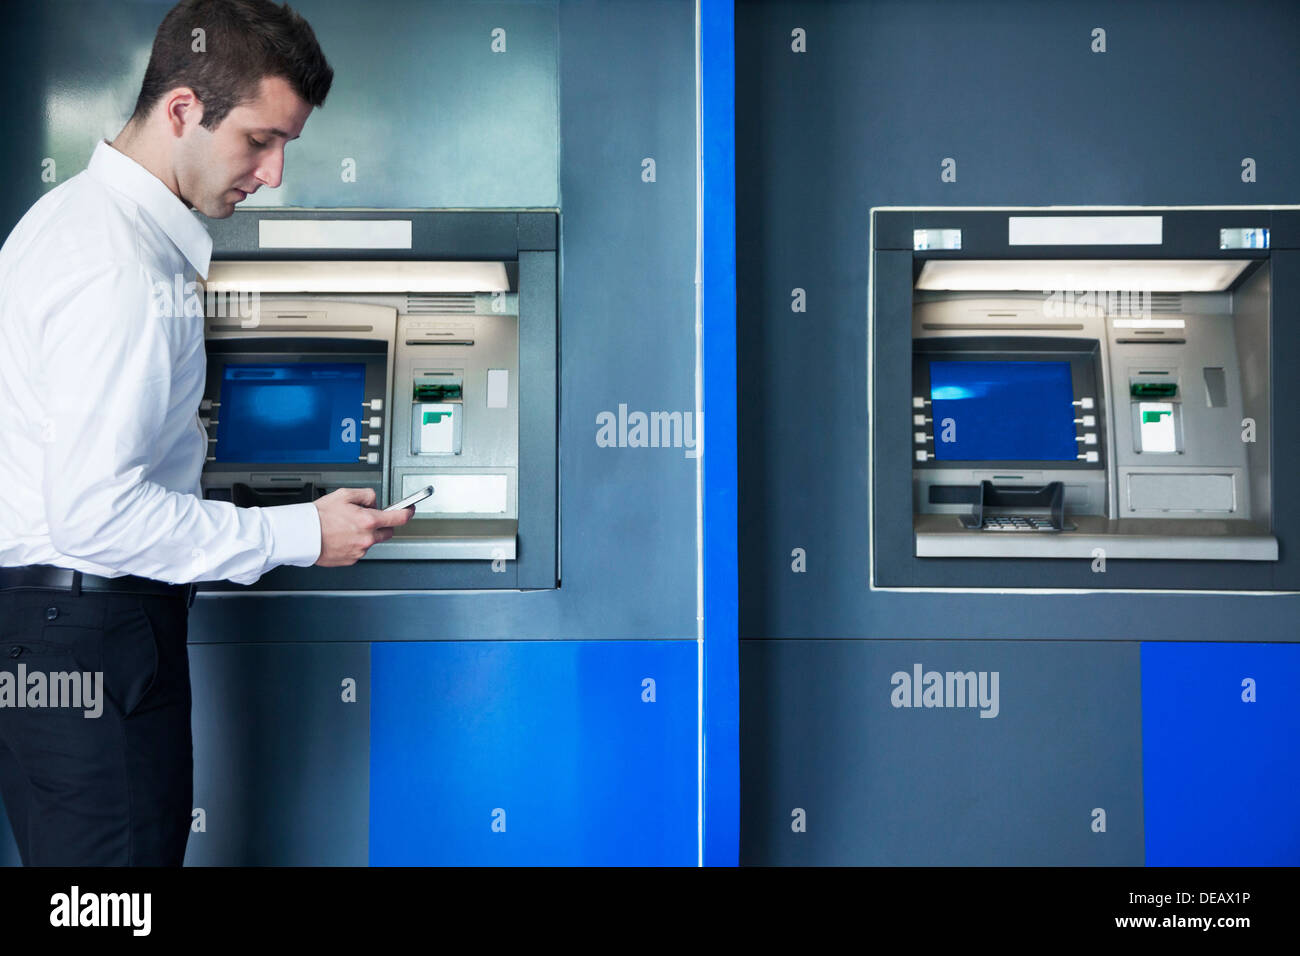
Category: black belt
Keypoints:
(48, 577)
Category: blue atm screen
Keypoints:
(1003, 411)
(293, 412)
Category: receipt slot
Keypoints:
(1084, 399)
(391, 351)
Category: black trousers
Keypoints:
(109, 790)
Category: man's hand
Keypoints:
(349, 525)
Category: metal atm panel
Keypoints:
(1148, 384)
(443, 373)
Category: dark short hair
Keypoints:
(243, 41)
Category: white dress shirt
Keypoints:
(101, 374)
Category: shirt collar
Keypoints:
(121, 172)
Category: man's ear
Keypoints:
(183, 110)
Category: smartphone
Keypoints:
(409, 500)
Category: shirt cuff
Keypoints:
(295, 534)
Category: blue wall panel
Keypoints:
(884, 91)
(553, 733)
(1220, 774)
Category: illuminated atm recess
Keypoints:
(391, 351)
(1091, 399)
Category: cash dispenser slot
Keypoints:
(284, 492)
(1007, 507)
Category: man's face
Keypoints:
(217, 169)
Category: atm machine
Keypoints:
(391, 351)
(1083, 398)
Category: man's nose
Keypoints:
(271, 171)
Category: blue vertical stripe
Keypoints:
(718, 350)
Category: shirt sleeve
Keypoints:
(107, 362)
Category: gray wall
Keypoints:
(432, 117)
(627, 312)
(880, 785)
(564, 118)
(885, 91)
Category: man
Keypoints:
(103, 527)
